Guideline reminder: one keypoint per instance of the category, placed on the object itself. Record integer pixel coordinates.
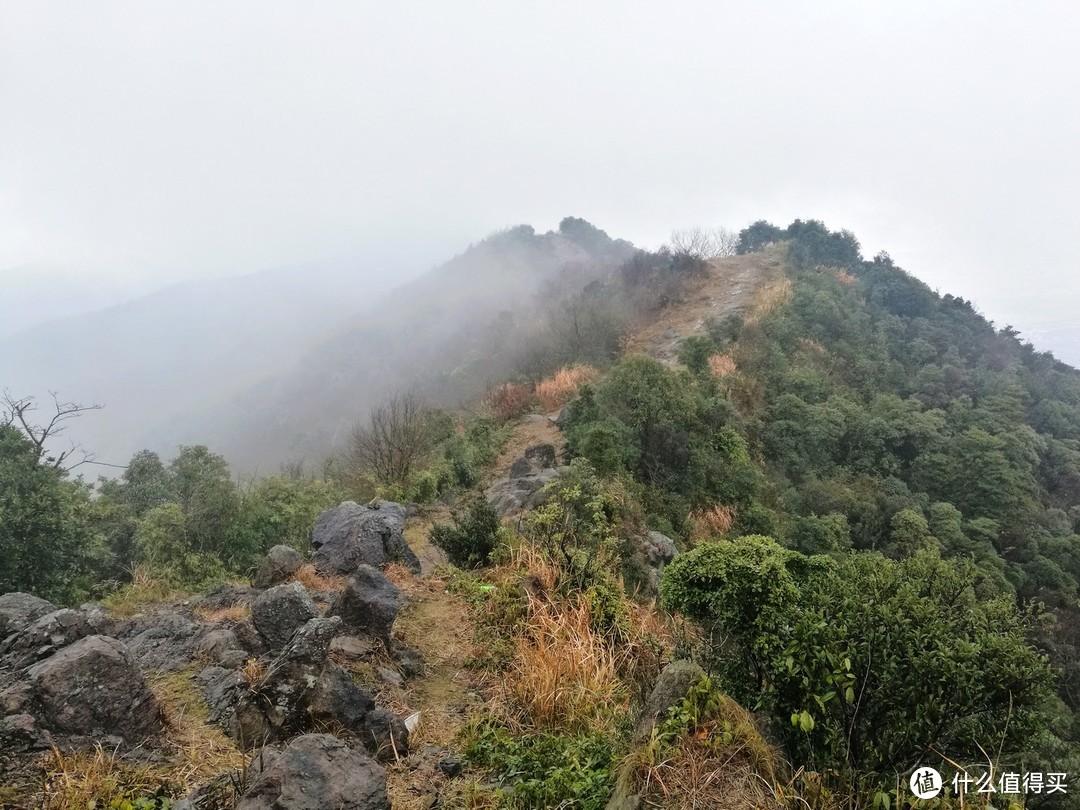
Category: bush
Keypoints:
(866, 662)
(509, 400)
(473, 536)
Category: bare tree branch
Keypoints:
(17, 412)
(703, 243)
(395, 440)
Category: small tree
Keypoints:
(17, 413)
(704, 243)
(397, 438)
(473, 536)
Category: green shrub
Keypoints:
(542, 771)
(470, 540)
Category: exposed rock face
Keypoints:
(316, 772)
(671, 687)
(522, 487)
(659, 549)
(337, 698)
(49, 633)
(278, 612)
(226, 596)
(92, 688)
(221, 646)
(163, 640)
(17, 610)
(368, 604)
(280, 563)
(351, 535)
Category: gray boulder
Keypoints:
(92, 688)
(280, 563)
(514, 494)
(279, 611)
(164, 640)
(276, 707)
(672, 686)
(659, 549)
(338, 700)
(351, 535)
(51, 632)
(221, 646)
(316, 772)
(17, 610)
(368, 604)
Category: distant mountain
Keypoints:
(445, 335)
(33, 294)
(158, 360)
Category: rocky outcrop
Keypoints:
(672, 686)
(91, 690)
(523, 486)
(368, 604)
(337, 699)
(17, 610)
(49, 633)
(280, 563)
(351, 535)
(280, 611)
(162, 640)
(316, 772)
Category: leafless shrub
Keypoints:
(395, 441)
(704, 243)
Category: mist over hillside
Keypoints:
(155, 361)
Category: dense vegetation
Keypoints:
(876, 492)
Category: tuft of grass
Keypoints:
(714, 521)
(145, 590)
(722, 364)
(769, 298)
(557, 390)
(99, 778)
(311, 579)
(508, 401)
(236, 613)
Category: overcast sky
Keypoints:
(221, 137)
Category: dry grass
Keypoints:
(311, 579)
(768, 299)
(712, 522)
(844, 277)
(508, 401)
(201, 748)
(559, 389)
(253, 670)
(724, 761)
(722, 364)
(145, 590)
(236, 613)
(196, 750)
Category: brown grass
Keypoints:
(722, 364)
(724, 761)
(712, 522)
(311, 579)
(844, 277)
(768, 299)
(196, 750)
(236, 613)
(559, 389)
(253, 670)
(508, 401)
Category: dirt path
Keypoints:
(729, 288)
(536, 428)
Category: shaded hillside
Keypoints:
(448, 335)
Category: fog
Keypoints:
(143, 144)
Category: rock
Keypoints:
(659, 549)
(368, 604)
(222, 647)
(337, 699)
(164, 641)
(514, 494)
(280, 563)
(671, 687)
(315, 772)
(276, 707)
(279, 611)
(225, 596)
(17, 610)
(541, 456)
(92, 688)
(409, 661)
(391, 677)
(451, 766)
(352, 647)
(351, 535)
(49, 633)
